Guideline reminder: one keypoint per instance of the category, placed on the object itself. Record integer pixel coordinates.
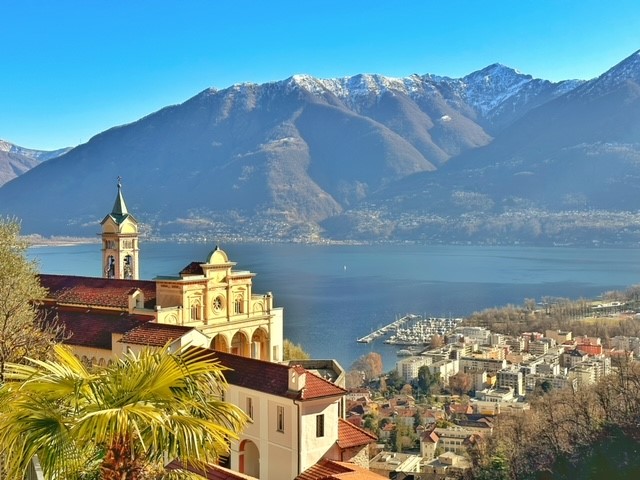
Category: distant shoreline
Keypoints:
(38, 241)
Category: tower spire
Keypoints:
(120, 241)
(119, 207)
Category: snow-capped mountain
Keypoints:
(15, 160)
(488, 92)
(283, 158)
(567, 171)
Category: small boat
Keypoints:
(404, 353)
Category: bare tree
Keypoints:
(370, 364)
(460, 383)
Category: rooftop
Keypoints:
(154, 334)
(273, 378)
(89, 328)
(351, 436)
(332, 470)
(96, 292)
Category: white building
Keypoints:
(296, 420)
(511, 378)
(408, 367)
(444, 368)
(474, 364)
(479, 335)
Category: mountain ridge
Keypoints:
(290, 158)
(16, 160)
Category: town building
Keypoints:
(296, 411)
(479, 335)
(589, 345)
(408, 368)
(628, 344)
(473, 364)
(572, 357)
(559, 336)
(454, 439)
(449, 465)
(296, 419)
(208, 303)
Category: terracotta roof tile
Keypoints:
(154, 334)
(430, 437)
(332, 470)
(211, 472)
(89, 328)
(98, 292)
(317, 387)
(194, 268)
(351, 436)
(273, 378)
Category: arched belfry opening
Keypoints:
(120, 241)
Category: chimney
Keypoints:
(297, 379)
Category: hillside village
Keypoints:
(426, 420)
(448, 398)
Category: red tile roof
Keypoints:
(351, 436)
(89, 328)
(154, 334)
(430, 437)
(211, 472)
(332, 470)
(273, 378)
(194, 268)
(97, 292)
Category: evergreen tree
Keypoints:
(23, 329)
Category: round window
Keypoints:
(218, 303)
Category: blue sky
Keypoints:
(71, 69)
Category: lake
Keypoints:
(333, 295)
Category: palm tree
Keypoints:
(137, 413)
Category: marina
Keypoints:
(391, 327)
(421, 330)
(412, 330)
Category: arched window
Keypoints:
(238, 305)
(127, 267)
(110, 267)
(196, 310)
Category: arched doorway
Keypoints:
(240, 344)
(260, 345)
(249, 459)
(219, 343)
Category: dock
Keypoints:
(382, 331)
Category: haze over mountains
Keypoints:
(15, 160)
(494, 157)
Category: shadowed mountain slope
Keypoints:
(275, 160)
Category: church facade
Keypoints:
(296, 428)
(208, 303)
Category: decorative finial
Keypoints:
(119, 181)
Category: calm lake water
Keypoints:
(333, 295)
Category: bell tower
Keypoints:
(120, 241)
